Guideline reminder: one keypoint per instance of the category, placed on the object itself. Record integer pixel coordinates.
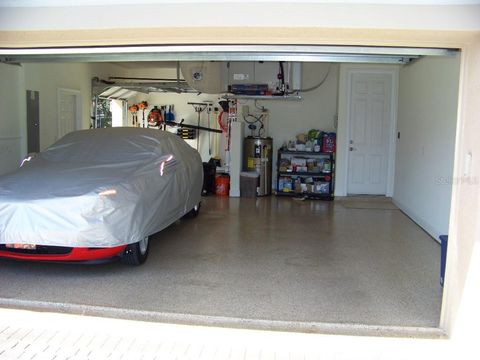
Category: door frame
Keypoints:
(32, 95)
(78, 109)
(343, 125)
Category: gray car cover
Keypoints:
(100, 188)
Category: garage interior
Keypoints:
(364, 258)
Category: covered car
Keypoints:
(97, 194)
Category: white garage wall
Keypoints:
(47, 78)
(12, 117)
(317, 110)
(427, 114)
(286, 119)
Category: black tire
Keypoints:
(135, 254)
(194, 212)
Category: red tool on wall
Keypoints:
(143, 105)
(228, 108)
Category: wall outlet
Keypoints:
(245, 110)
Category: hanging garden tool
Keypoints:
(133, 110)
(229, 110)
(143, 105)
(199, 108)
(168, 113)
(188, 126)
(209, 110)
(216, 150)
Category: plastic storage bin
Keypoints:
(249, 183)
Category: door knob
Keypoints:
(352, 148)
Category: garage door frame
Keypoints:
(239, 52)
(464, 198)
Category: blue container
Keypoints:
(443, 256)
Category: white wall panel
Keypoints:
(10, 154)
(12, 117)
(427, 117)
(47, 79)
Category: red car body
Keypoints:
(75, 254)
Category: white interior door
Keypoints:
(370, 120)
(68, 111)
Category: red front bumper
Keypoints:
(76, 254)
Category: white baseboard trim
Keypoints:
(425, 225)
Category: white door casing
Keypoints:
(343, 125)
(369, 130)
(68, 111)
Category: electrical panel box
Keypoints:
(240, 72)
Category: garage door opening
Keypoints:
(371, 261)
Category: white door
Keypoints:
(370, 120)
(67, 112)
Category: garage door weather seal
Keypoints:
(227, 322)
(305, 53)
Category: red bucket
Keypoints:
(222, 185)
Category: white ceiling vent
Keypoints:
(204, 76)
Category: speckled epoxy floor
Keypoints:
(268, 258)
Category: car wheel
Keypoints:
(136, 253)
(194, 212)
